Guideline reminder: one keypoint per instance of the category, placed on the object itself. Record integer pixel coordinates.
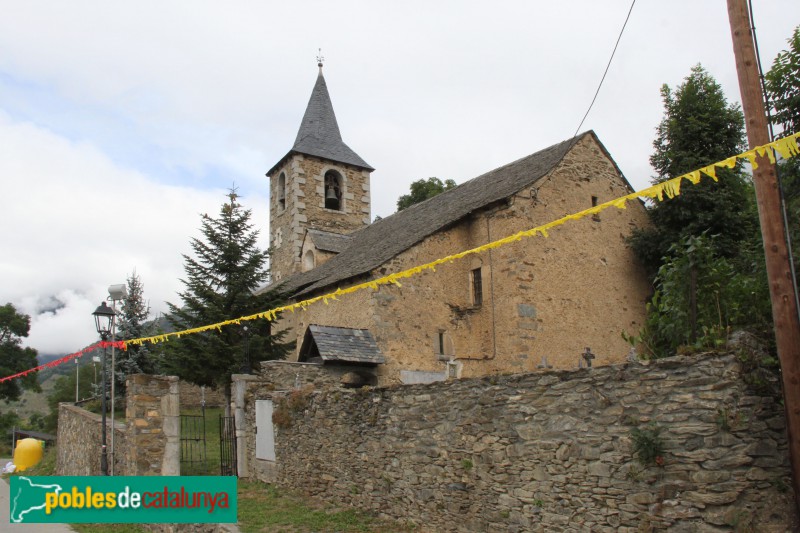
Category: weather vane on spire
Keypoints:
(320, 59)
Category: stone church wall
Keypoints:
(542, 297)
(550, 451)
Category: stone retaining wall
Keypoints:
(550, 451)
(79, 438)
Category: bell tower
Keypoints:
(320, 184)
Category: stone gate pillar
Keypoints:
(153, 420)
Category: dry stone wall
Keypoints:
(192, 396)
(148, 444)
(551, 451)
(79, 438)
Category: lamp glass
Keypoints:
(103, 319)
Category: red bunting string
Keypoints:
(55, 362)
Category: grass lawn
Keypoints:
(109, 528)
(263, 508)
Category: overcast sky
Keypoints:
(120, 123)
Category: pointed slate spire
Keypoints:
(319, 132)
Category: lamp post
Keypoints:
(104, 322)
(115, 293)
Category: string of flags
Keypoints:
(786, 148)
(56, 362)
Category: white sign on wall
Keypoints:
(265, 433)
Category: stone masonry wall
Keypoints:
(79, 438)
(192, 396)
(305, 207)
(272, 376)
(550, 451)
(286, 375)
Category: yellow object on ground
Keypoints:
(28, 453)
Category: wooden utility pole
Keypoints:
(779, 274)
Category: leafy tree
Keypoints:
(13, 357)
(783, 90)
(699, 127)
(783, 86)
(132, 323)
(220, 281)
(699, 297)
(64, 391)
(422, 189)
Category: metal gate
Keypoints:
(227, 446)
(193, 445)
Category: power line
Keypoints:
(607, 67)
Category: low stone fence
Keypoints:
(79, 438)
(192, 396)
(147, 444)
(550, 451)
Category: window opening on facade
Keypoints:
(333, 190)
(308, 260)
(596, 216)
(282, 191)
(477, 287)
(444, 346)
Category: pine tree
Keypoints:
(132, 323)
(699, 127)
(221, 277)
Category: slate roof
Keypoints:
(384, 239)
(342, 344)
(319, 132)
(329, 242)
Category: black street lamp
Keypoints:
(104, 321)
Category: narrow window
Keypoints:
(441, 342)
(282, 191)
(596, 216)
(477, 288)
(333, 190)
(308, 261)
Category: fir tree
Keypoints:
(221, 278)
(132, 323)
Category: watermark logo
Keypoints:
(135, 499)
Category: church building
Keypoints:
(555, 302)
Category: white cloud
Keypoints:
(76, 223)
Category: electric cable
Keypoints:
(619, 37)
